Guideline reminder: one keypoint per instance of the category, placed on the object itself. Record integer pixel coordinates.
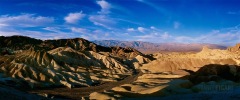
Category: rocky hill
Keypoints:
(190, 61)
(235, 48)
(147, 47)
(182, 75)
(18, 42)
(63, 62)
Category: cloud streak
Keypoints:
(158, 8)
(79, 30)
(155, 37)
(130, 29)
(25, 20)
(37, 34)
(141, 29)
(102, 20)
(105, 7)
(73, 18)
(53, 29)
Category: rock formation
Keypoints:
(235, 48)
(191, 61)
(67, 62)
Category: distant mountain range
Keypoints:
(147, 47)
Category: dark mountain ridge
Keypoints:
(79, 44)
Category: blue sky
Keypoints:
(158, 21)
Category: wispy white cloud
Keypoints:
(102, 20)
(6, 33)
(152, 27)
(144, 30)
(105, 6)
(37, 34)
(25, 20)
(19, 25)
(165, 35)
(3, 25)
(158, 8)
(130, 29)
(141, 29)
(106, 19)
(73, 18)
(154, 37)
(53, 29)
(100, 34)
(79, 30)
(228, 36)
(128, 21)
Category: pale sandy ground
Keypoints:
(161, 79)
(153, 86)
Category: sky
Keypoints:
(157, 21)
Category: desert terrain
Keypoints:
(79, 69)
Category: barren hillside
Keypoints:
(65, 62)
